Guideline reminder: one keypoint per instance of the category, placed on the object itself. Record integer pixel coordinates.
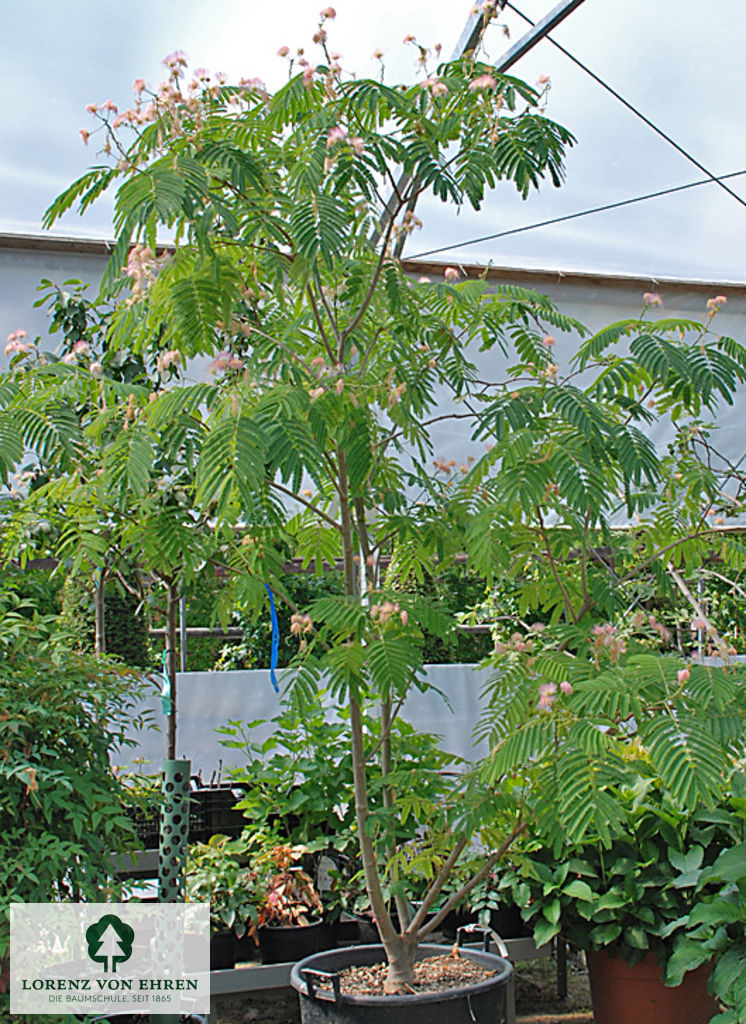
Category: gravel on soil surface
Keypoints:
(433, 974)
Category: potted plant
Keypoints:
(290, 913)
(217, 874)
(629, 897)
(488, 904)
(314, 439)
(142, 794)
(298, 784)
(713, 932)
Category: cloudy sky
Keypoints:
(679, 63)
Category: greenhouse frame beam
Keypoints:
(468, 41)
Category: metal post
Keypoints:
(468, 41)
(540, 29)
(171, 669)
(182, 633)
(99, 603)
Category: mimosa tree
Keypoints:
(330, 366)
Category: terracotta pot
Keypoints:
(626, 994)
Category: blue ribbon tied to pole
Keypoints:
(275, 639)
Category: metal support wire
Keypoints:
(638, 113)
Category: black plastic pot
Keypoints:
(223, 951)
(508, 923)
(245, 949)
(367, 929)
(281, 945)
(482, 1003)
(454, 920)
(343, 931)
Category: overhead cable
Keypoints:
(573, 216)
(635, 111)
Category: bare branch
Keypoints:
(303, 501)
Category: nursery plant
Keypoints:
(332, 364)
(299, 781)
(665, 886)
(714, 926)
(632, 892)
(63, 723)
(290, 896)
(217, 874)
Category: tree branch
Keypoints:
(303, 501)
(320, 324)
(457, 897)
(372, 287)
(569, 615)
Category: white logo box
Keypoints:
(109, 958)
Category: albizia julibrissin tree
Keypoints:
(330, 367)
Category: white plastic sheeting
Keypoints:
(208, 700)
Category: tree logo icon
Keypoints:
(110, 942)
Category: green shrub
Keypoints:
(126, 629)
(299, 781)
(62, 716)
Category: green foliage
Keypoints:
(714, 928)
(126, 631)
(636, 893)
(314, 438)
(454, 591)
(578, 718)
(299, 781)
(62, 717)
(126, 627)
(36, 589)
(254, 650)
(216, 874)
(77, 613)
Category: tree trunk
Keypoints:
(99, 606)
(400, 949)
(171, 613)
(400, 955)
(403, 907)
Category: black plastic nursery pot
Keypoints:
(245, 949)
(506, 921)
(281, 945)
(223, 951)
(482, 1003)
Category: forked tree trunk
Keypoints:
(400, 949)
